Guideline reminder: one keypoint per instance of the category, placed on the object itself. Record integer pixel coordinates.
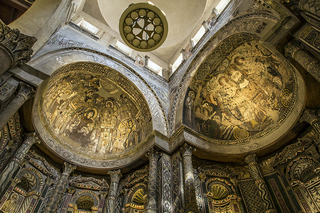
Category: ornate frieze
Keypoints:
(17, 45)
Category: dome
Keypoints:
(93, 112)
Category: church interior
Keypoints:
(111, 106)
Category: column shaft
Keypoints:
(6, 174)
(67, 200)
(151, 206)
(57, 194)
(25, 92)
(111, 199)
(259, 181)
(189, 186)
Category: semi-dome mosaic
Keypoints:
(241, 90)
(94, 111)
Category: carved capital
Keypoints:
(17, 43)
(153, 155)
(103, 195)
(26, 91)
(71, 190)
(251, 159)
(202, 176)
(115, 175)
(32, 138)
(291, 48)
(68, 168)
(310, 116)
(186, 150)
(49, 181)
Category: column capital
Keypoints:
(186, 150)
(291, 48)
(68, 168)
(32, 138)
(250, 159)
(71, 190)
(26, 91)
(152, 154)
(115, 175)
(310, 116)
(17, 43)
(103, 195)
(49, 181)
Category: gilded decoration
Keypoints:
(249, 92)
(94, 111)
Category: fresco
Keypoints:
(95, 110)
(247, 92)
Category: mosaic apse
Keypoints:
(95, 111)
(248, 92)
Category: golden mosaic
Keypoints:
(95, 111)
(248, 92)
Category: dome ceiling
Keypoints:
(248, 93)
(182, 15)
(94, 112)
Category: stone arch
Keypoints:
(90, 195)
(209, 66)
(301, 169)
(136, 196)
(220, 193)
(30, 180)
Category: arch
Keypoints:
(216, 65)
(86, 195)
(301, 169)
(85, 202)
(30, 180)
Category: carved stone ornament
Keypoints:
(17, 43)
(310, 116)
(68, 168)
(26, 91)
(186, 150)
(153, 155)
(115, 175)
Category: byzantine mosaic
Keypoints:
(95, 109)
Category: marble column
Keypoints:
(189, 187)
(25, 92)
(61, 186)
(111, 199)
(65, 205)
(259, 181)
(15, 47)
(102, 196)
(151, 206)
(294, 50)
(7, 173)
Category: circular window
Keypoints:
(143, 27)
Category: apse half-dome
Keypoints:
(93, 113)
(240, 92)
